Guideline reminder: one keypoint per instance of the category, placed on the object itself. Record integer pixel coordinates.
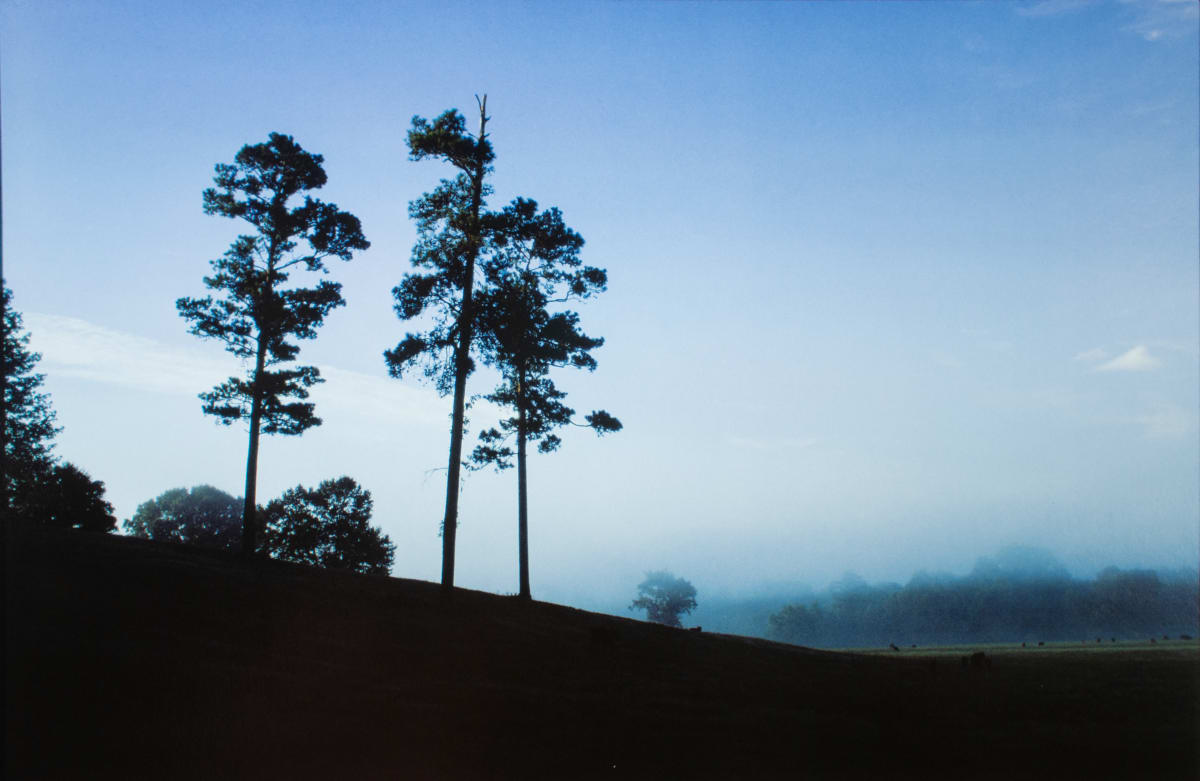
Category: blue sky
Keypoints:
(891, 284)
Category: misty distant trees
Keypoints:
(665, 598)
(37, 486)
(255, 313)
(1018, 595)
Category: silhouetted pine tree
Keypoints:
(449, 240)
(255, 315)
(534, 264)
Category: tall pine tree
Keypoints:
(255, 313)
(535, 264)
(449, 241)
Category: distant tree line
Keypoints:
(1021, 595)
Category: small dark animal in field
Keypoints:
(914, 645)
(1114, 639)
(1185, 637)
(1098, 640)
(977, 661)
(1022, 645)
(604, 636)
(696, 629)
(1040, 643)
(1166, 638)
(893, 646)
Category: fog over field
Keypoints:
(891, 286)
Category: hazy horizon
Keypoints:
(891, 286)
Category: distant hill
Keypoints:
(131, 659)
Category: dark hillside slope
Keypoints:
(132, 659)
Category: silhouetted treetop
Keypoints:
(446, 137)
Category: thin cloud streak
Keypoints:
(81, 350)
(1169, 421)
(1091, 356)
(1053, 8)
(1163, 19)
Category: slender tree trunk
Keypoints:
(462, 363)
(522, 493)
(249, 510)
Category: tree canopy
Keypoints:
(202, 515)
(69, 498)
(328, 526)
(255, 314)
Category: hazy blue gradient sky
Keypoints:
(891, 284)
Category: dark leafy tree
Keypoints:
(28, 418)
(535, 263)
(664, 597)
(328, 526)
(202, 515)
(449, 240)
(70, 499)
(255, 313)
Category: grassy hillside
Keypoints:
(131, 659)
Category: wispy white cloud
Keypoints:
(81, 350)
(772, 443)
(1052, 7)
(1169, 421)
(1092, 356)
(1156, 20)
(1137, 359)
(76, 348)
(1153, 20)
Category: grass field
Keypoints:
(130, 659)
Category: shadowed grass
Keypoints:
(127, 658)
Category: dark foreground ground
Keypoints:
(131, 659)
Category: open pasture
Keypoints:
(132, 659)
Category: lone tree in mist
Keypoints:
(255, 313)
(535, 263)
(449, 240)
(202, 515)
(664, 597)
(328, 526)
